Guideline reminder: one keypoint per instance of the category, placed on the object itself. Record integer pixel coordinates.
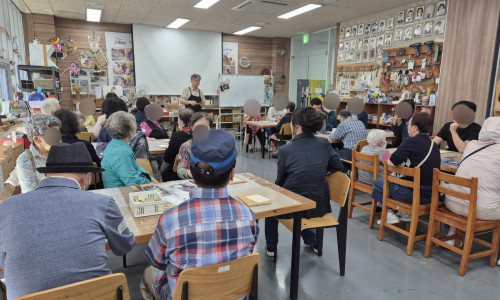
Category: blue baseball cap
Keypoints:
(216, 148)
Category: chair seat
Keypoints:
(320, 222)
(480, 224)
(406, 207)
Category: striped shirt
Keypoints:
(351, 131)
(210, 228)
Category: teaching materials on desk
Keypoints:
(162, 146)
(147, 203)
(174, 192)
(237, 180)
(254, 199)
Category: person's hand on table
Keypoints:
(453, 126)
(153, 180)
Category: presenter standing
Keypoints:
(192, 97)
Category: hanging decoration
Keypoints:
(245, 62)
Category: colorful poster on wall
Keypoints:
(229, 58)
(120, 54)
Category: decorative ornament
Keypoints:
(245, 62)
(280, 51)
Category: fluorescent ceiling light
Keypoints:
(93, 15)
(178, 23)
(247, 30)
(205, 3)
(299, 11)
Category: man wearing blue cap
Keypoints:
(210, 228)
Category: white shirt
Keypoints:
(272, 113)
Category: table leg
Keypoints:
(263, 145)
(294, 276)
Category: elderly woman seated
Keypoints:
(49, 106)
(37, 129)
(151, 127)
(376, 146)
(481, 159)
(119, 160)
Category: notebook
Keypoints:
(254, 199)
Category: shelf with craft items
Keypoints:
(30, 85)
(350, 72)
(388, 109)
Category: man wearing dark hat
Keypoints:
(210, 228)
(56, 234)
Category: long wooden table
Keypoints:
(445, 154)
(283, 201)
(262, 125)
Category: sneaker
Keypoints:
(314, 248)
(404, 217)
(452, 243)
(270, 251)
(391, 218)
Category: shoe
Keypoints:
(391, 219)
(250, 150)
(270, 251)
(452, 243)
(378, 209)
(274, 156)
(314, 248)
(404, 217)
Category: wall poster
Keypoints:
(120, 55)
(229, 58)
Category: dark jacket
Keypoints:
(178, 138)
(302, 168)
(140, 117)
(285, 120)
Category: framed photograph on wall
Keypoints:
(358, 56)
(354, 30)
(381, 26)
(348, 32)
(341, 46)
(380, 41)
(388, 40)
(373, 43)
(341, 33)
(367, 28)
(390, 24)
(428, 28)
(351, 56)
(360, 44)
(409, 15)
(439, 27)
(429, 10)
(340, 57)
(366, 43)
(419, 15)
(374, 26)
(418, 30)
(365, 56)
(345, 84)
(401, 17)
(361, 29)
(441, 8)
(398, 35)
(408, 33)
(354, 45)
(373, 55)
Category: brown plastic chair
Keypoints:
(470, 225)
(146, 165)
(415, 209)
(107, 287)
(86, 136)
(176, 163)
(285, 130)
(338, 185)
(230, 280)
(357, 185)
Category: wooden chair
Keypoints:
(338, 184)
(470, 225)
(285, 130)
(224, 281)
(415, 209)
(359, 145)
(176, 163)
(357, 185)
(96, 177)
(146, 165)
(107, 287)
(86, 136)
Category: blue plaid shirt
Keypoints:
(209, 228)
(351, 131)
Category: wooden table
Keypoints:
(445, 154)
(261, 125)
(155, 147)
(283, 202)
(326, 135)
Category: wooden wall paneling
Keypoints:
(29, 31)
(258, 50)
(44, 27)
(468, 57)
(281, 65)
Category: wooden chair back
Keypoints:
(338, 185)
(176, 163)
(86, 136)
(224, 281)
(264, 118)
(374, 168)
(286, 129)
(360, 145)
(108, 287)
(146, 165)
(411, 172)
(96, 177)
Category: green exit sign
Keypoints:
(305, 38)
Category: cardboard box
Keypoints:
(17, 149)
(47, 84)
(7, 152)
(4, 166)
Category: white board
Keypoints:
(241, 88)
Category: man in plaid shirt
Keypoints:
(210, 228)
(350, 131)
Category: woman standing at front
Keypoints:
(302, 168)
(192, 97)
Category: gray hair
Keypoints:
(80, 116)
(49, 106)
(375, 136)
(345, 114)
(120, 124)
(195, 76)
(38, 124)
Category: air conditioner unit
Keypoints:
(267, 7)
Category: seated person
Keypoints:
(363, 117)
(36, 155)
(421, 152)
(304, 174)
(151, 127)
(109, 106)
(256, 131)
(81, 120)
(350, 131)
(49, 106)
(376, 146)
(89, 121)
(317, 105)
(140, 105)
(209, 228)
(481, 159)
(284, 120)
(56, 235)
(69, 129)
(178, 138)
(273, 115)
(119, 160)
(197, 119)
(400, 128)
(457, 135)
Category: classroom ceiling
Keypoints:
(219, 17)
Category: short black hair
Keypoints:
(111, 95)
(185, 115)
(469, 104)
(345, 113)
(198, 116)
(203, 175)
(141, 103)
(112, 105)
(412, 103)
(290, 106)
(423, 121)
(316, 101)
(308, 118)
(69, 121)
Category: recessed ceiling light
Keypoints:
(247, 30)
(178, 23)
(205, 3)
(93, 15)
(299, 11)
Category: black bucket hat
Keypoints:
(69, 158)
